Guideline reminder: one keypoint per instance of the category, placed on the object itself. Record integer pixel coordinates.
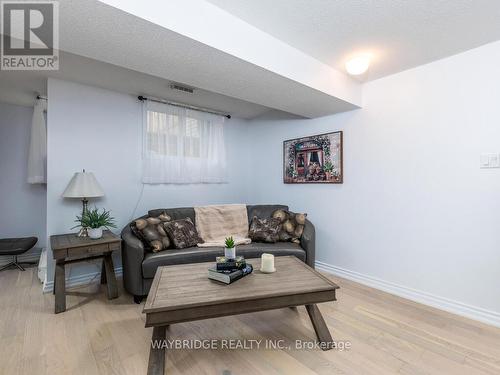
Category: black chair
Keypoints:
(15, 247)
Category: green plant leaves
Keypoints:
(95, 219)
(229, 242)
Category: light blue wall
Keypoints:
(415, 209)
(100, 130)
(22, 205)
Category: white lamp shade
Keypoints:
(83, 185)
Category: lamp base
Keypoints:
(83, 231)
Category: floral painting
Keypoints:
(314, 159)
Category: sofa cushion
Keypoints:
(255, 250)
(259, 210)
(178, 256)
(175, 213)
(264, 230)
(292, 225)
(151, 232)
(197, 255)
(263, 210)
(183, 233)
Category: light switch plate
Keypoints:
(484, 161)
(489, 161)
(494, 161)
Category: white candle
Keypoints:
(267, 263)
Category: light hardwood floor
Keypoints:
(388, 335)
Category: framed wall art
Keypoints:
(313, 160)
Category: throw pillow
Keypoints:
(264, 230)
(183, 233)
(292, 225)
(151, 232)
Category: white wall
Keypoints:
(415, 213)
(22, 206)
(99, 130)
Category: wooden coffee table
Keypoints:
(183, 293)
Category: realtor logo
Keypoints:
(30, 35)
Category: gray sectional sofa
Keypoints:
(139, 266)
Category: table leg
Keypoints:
(110, 277)
(320, 327)
(157, 353)
(103, 272)
(59, 288)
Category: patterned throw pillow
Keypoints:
(151, 232)
(183, 233)
(292, 225)
(264, 230)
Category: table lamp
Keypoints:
(83, 185)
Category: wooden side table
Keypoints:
(68, 248)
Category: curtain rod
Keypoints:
(142, 98)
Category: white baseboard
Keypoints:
(79, 280)
(455, 307)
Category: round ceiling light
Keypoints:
(358, 65)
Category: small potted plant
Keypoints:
(230, 249)
(328, 168)
(95, 221)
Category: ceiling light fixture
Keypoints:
(358, 65)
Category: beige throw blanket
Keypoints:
(215, 223)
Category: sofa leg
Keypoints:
(138, 299)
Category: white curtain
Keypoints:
(37, 157)
(182, 146)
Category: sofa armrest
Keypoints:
(132, 257)
(308, 243)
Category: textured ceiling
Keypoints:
(129, 54)
(400, 34)
(19, 87)
(93, 29)
(143, 46)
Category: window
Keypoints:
(192, 138)
(182, 145)
(162, 135)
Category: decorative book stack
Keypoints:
(228, 270)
